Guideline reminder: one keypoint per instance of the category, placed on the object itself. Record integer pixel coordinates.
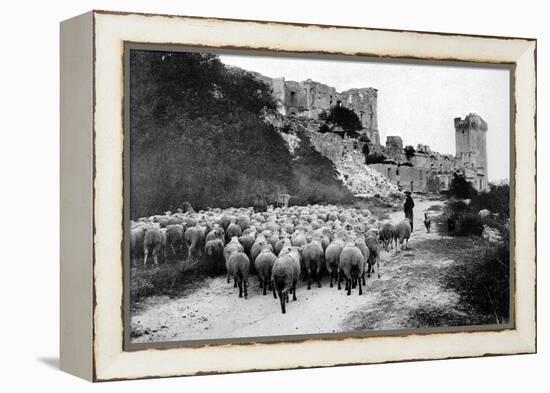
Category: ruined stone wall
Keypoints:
(364, 103)
(425, 171)
(309, 98)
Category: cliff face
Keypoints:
(344, 153)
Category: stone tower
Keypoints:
(471, 149)
(364, 102)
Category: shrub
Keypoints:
(458, 207)
(162, 279)
(469, 224)
(497, 200)
(375, 158)
(484, 283)
(461, 188)
(343, 117)
(409, 152)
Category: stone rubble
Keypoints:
(345, 153)
(292, 141)
(360, 179)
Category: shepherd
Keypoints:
(408, 207)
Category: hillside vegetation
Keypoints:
(198, 133)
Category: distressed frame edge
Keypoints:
(527, 338)
(304, 24)
(76, 196)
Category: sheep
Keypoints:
(387, 234)
(233, 230)
(163, 221)
(151, 244)
(332, 257)
(325, 241)
(281, 243)
(284, 276)
(403, 233)
(189, 222)
(314, 258)
(239, 266)
(213, 250)
(272, 226)
(294, 252)
(264, 265)
(351, 266)
(174, 221)
(225, 220)
(374, 258)
(163, 236)
(428, 222)
(216, 232)
(231, 247)
(137, 235)
(298, 239)
(243, 221)
(258, 245)
(288, 227)
(273, 240)
(247, 242)
(360, 243)
(194, 238)
(174, 238)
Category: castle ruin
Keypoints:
(429, 171)
(424, 170)
(310, 98)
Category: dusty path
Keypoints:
(409, 280)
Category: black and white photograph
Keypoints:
(273, 196)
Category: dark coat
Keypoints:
(409, 204)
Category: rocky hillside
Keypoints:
(345, 154)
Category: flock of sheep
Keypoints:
(277, 244)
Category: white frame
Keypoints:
(93, 349)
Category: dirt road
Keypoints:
(409, 282)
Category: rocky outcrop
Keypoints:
(350, 163)
(345, 153)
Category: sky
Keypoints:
(415, 101)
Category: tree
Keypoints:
(343, 117)
(461, 188)
(409, 152)
(375, 158)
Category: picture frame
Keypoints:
(93, 245)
